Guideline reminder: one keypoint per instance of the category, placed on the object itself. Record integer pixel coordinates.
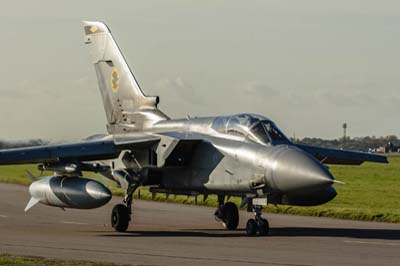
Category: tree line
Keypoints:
(4, 144)
(357, 143)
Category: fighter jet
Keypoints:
(243, 155)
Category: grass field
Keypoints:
(371, 192)
(9, 260)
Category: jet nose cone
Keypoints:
(98, 192)
(297, 170)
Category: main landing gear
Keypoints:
(121, 213)
(228, 213)
(259, 224)
(120, 218)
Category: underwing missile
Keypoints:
(68, 192)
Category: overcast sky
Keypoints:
(308, 65)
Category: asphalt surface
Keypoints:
(174, 234)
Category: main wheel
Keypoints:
(120, 218)
(230, 216)
(251, 227)
(263, 227)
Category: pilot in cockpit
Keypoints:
(254, 127)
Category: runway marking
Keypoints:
(3, 216)
(155, 255)
(71, 222)
(371, 243)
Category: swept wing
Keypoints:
(335, 156)
(103, 149)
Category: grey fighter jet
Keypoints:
(244, 155)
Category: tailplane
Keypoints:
(127, 107)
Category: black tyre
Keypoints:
(251, 227)
(230, 216)
(263, 227)
(120, 218)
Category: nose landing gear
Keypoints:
(259, 224)
(229, 215)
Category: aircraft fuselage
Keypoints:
(233, 165)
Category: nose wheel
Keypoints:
(261, 227)
(258, 225)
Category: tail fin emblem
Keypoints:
(93, 29)
(114, 80)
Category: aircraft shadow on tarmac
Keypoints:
(182, 233)
(383, 234)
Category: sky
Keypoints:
(308, 65)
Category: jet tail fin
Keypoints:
(32, 202)
(127, 107)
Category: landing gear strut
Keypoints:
(259, 224)
(227, 213)
(121, 214)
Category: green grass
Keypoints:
(371, 192)
(9, 260)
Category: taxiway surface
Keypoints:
(175, 234)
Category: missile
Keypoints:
(68, 192)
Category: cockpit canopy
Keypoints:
(254, 127)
